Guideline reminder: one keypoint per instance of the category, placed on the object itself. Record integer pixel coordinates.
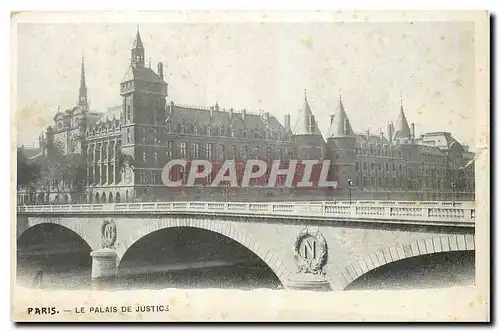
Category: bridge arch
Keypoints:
(221, 227)
(74, 227)
(446, 243)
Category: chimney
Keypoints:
(244, 114)
(413, 130)
(332, 116)
(231, 113)
(160, 70)
(390, 131)
(287, 120)
(368, 132)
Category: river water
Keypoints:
(449, 270)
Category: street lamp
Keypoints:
(453, 185)
(349, 182)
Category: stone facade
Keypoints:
(126, 148)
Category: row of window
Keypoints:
(198, 150)
(157, 135)
(429, 183)
(103, 175)
(389, 153)
(379, 167)
(374, 166)
(432, 159)
(104, 150)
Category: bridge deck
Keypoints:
(435, 213)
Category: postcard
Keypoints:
(250, 166)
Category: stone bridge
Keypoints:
(316, 245)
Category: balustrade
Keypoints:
(381, 211)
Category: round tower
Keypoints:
(341, 149)
(308, 141)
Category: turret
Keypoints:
(341, 147)
(402, 132)
(137, 51)
(308, 140)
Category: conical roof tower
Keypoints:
(340, 126)
(401, 129)
(306, 123)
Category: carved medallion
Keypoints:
(108, 233)
(311, 252)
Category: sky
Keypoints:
(255, 65)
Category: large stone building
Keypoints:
(125, 149)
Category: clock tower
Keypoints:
(143, 93)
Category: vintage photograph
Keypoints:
(246, 154)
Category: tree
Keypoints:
(28, 172)
(68, 170)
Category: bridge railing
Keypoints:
(384, 210)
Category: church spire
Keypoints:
(137, 56)
(82, 96)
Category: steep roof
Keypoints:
(141, 74)
(137, 41)
(401, 130)
(306, 123)
(442, 140)
(370, 138)
(340, 126)
(203, 117)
